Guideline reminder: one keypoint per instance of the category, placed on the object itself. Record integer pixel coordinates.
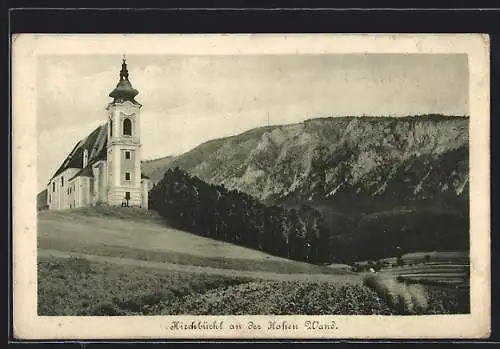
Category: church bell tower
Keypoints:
(124, 144)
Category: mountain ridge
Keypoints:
(375, 160)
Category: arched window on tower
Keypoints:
(110, 127)
(127, 127)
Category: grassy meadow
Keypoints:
(141, 235)
(116, 261)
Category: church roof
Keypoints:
(84, 172)
(95, 143)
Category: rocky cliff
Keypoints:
(362, 164)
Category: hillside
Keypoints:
(303, 233)
(349, 164)
(156, 167)
(108, 261)
(138, 237)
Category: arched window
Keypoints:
(111, 128)
(127, 127)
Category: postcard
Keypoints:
(250, 186)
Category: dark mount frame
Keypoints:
(270, 20)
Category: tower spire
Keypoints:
(124, 90)
(124, 71)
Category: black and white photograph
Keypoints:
(299, 188)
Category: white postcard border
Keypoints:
(27, 325)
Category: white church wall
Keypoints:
(85, 194)
(57, 189)
(144, 193)
(71, 192)
(137, 166)
(100, 182)
(76, 192)
(117, 196)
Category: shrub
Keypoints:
(356, 267)
(427, 258)
(401, 279)
(280, 298)
(78, 265)
(106, 309)
(419, 297)
(404, 299)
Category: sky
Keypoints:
(188, 100)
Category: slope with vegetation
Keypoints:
(79, 287)
(191, 204)
(373, 183)
(142, 236)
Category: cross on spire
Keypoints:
(124, 71)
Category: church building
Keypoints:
(105, 167)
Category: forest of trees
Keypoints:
(190, 204)
(193, 205)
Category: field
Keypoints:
(437, 273)
(121, 261)
(449, 268)
(440, 268)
